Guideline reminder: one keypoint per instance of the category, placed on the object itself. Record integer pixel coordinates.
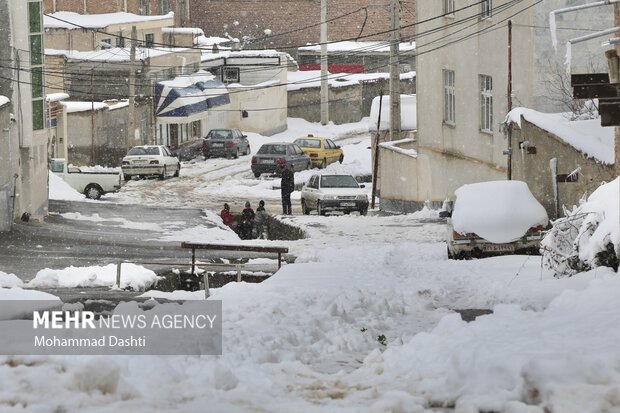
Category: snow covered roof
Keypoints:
(408, 115)
(207, 55)
(73, 107)
(587, 136)
(183, 30)
(70, 20)
(56, 97)
(204, 41)
(393, 145)
(359, 47)
(312, 78)
(114, 54)
(4, 100)
(187, 98)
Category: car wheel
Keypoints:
(237, 153)
(127, 177)
(93, 191)
(319, 208)
(324, 164)
(163, 174)
(257, 174)
(304, 207)
(363, 211)
(248, 151)
(341, 158)
(178, 171)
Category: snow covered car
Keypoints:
(325, 193)
(90, 183)
(148, 160)
(495, 218)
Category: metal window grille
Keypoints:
(449, 109)
(486, 103)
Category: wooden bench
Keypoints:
(227, 247)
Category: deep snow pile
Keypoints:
(588, 237)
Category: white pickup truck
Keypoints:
(91, 184)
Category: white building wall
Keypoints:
(462, 153)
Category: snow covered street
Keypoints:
(363, 321)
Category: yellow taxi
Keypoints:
(321, 151)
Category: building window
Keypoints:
(164, 6)
(149, 40)
(36, 64)
(449, 102)
(145, 7)
(486, 103)
(120, 40)
(448, 6)
(486, 9)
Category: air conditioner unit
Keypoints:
(230, 75)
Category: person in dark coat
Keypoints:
(287, 186)
(247, 222)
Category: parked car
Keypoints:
(271, 156)
(149, 160)
(91, 184)
(325, 193)
(230, 143)
(321, 151)
(189, 150)
(495, 218)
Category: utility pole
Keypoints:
(324, 85)
(617, 128)
(132, 89)
(394, 70)
(92, 117)
(509, 131)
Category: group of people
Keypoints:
(251, 224)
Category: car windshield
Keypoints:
(220, 134)
(338, 181)
(308, 143)
(141, 150)
(272, 150)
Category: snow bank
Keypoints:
(133, 277)
(10, 280)
(59, 189)
(576, 242)
(498, 211)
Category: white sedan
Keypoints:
(149, 160)
(325, 193)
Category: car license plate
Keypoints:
(347, 204)
(266, 161)
(217, 145)
(498, 248)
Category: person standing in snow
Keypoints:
(227, 216)
(287, 186)
(260, 220)
(247, 222)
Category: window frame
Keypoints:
(486, 9)
(485, 86)
(449, 96)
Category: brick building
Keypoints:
(181, 8)
(295, 23)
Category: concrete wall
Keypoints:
(253, 101)
(535, 169)
(347, 103)
(9, 155)
(109, 142)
